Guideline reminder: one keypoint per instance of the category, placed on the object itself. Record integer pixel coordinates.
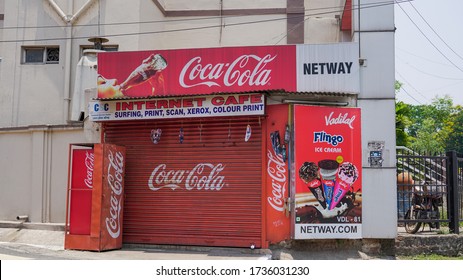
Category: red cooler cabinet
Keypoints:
(95, 197)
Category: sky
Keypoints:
(429, 50)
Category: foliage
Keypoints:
(455, 138)
(430, 257)
(433, 128)
(397, 86)
(402, 121)
(427, 138)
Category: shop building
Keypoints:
(230, 142)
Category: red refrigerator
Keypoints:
(95, 197)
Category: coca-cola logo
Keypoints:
(245, 70)
(204, 176)
(276, 169)
(89, 164)
(115, 181)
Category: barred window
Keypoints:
(40, 55)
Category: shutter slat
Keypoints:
(231, 216)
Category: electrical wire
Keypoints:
(403, 78)
(429, 74)
(439, 88)
(365, 6)
(435, 32)
(419, 102)
(424, 58)
(389, 2)
(427, 38)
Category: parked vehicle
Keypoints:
(424, 209)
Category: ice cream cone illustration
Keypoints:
(347, 175)
(309, 174)
(328, 169)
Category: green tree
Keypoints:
(432, 124)
(397, 86)
(433, 128)
(455, 137)
(427, 138)
(402, 120)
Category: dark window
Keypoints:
(33, 55)
(44, 55)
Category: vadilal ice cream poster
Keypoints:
(328, 167)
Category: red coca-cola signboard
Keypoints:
(303, 68)
(196, 71)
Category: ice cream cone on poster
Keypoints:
(347, 175)
(309, 173)
(328, 169)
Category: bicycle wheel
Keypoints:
(412, 227)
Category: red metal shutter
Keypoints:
(211, 210)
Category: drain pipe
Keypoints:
(58, 10)
(22, 218)
(69, 20)
(67, 73)
(81, 11)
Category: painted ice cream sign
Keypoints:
(328, 166)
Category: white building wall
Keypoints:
(16, 169)
(377, 100)
(29, 91)
(34, 169)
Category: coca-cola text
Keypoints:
(240, 72)
(89, 164)
(276, 169)
(115, 181)
(204, 176)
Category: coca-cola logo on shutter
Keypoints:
(204, 176)
(247, 70)
(115, 181)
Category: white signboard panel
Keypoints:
(180, 107)
(328, 68)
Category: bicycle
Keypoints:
(425, 202)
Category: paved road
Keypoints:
(49, 244)
(45, 244)
(27, 251)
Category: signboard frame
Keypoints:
(327, 169)
(178, 107)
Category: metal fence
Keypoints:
(458, 200)
(433, 183)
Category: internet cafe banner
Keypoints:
(328, 166)
(315, 68)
